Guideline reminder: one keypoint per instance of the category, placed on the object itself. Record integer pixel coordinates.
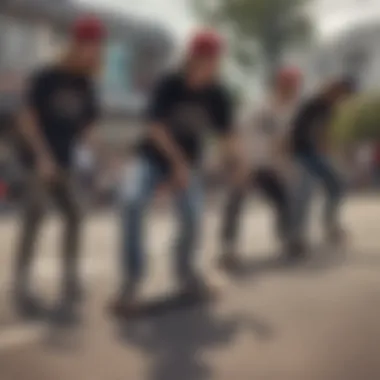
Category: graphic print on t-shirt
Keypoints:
(65, 105)
(187, 114)
(189, 119)
(68, 104)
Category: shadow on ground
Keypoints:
(179, 343)
(320, 259)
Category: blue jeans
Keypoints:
(139, 189)
(317, 167)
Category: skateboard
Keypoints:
(162, 305)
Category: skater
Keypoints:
(60, 110)
(266, 133)
(185, 105)
(311, 145)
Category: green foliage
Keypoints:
(258, 27)
(358, 119)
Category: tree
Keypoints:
(357, 120)
(258, 28)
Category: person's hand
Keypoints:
(181, 175)
(47, 168)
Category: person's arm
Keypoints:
(31, 133)
(158, 112)
(325, 137)
(158, 134)
(89, 135)
(282, 143)
(28, 123)
(300, 129)
(232, 150)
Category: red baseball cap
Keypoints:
(206, 44)
(89, 28)
(289, 76)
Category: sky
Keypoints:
(176, 14)
(331, 16)
(334, 16)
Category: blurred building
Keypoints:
(34, 31)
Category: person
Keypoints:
(376, 164)
(60, 109)
(185, 105)
(266, 133)
(312, 149)
(85, 167)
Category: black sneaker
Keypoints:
(295, 250)
(229, 262)
(193, 285)
(28, 306)
(73, 291)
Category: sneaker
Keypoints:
(195, 286)
(27, 305)
(295, 250)
(229, 262)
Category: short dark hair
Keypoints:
(347, 84)
(341, 87)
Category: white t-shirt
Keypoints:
(264, 131)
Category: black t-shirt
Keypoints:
(187, 114)
(310, 123)
(64, 104)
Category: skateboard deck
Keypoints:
(162, 305)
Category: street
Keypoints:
(318, 320)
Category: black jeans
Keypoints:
(37, 196)
(274, 189)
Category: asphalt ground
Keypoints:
(318, 320)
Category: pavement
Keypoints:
(318, 320)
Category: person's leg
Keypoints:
(140, 181)
(301, 199)
(321, 169)
(231, 220)
(276, 192)
(35, 196)
(67, 201)
(333, 186)
(189, 207)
